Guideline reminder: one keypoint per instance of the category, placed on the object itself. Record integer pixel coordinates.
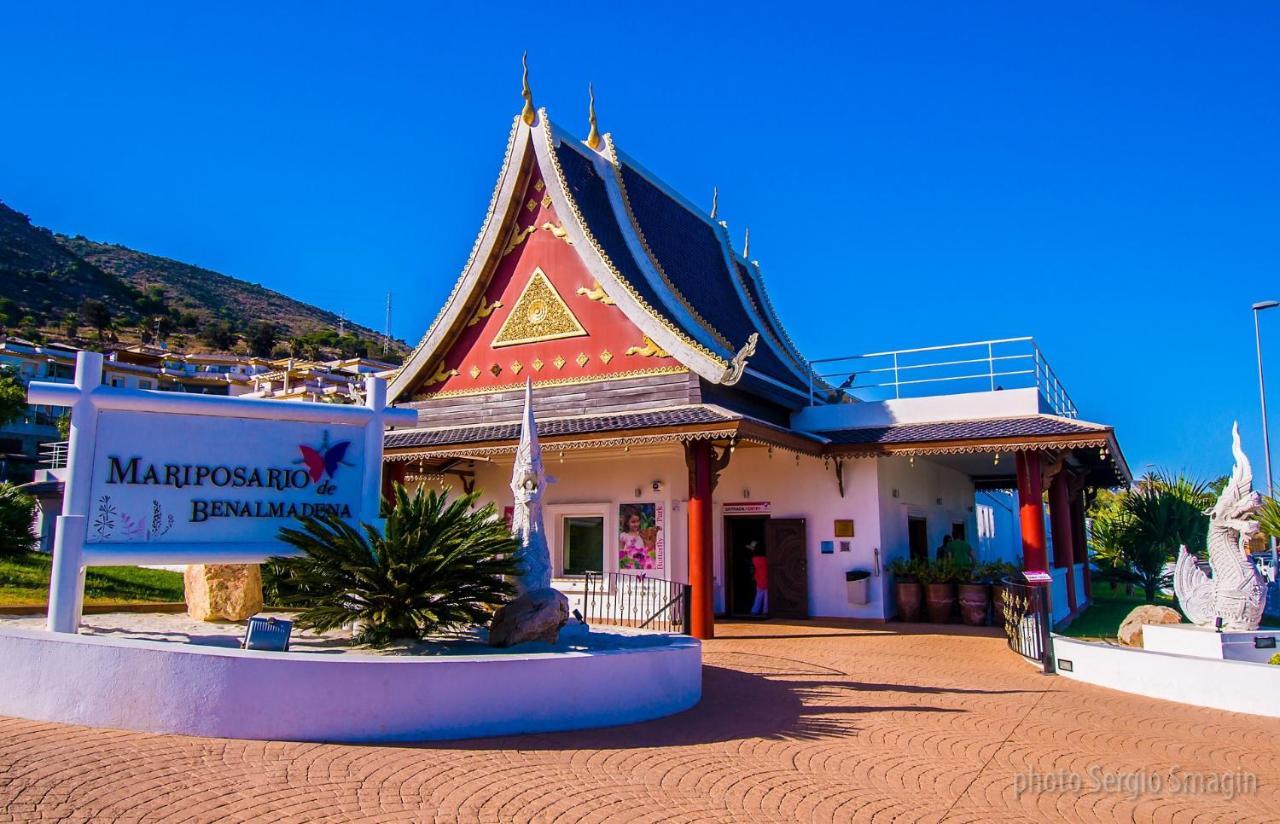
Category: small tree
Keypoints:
(70, 325)
(13, 397)
(261, 338)
(96, 314)
(437, 565)
(17, 514)
(217, 334)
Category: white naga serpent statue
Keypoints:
(1236, 593)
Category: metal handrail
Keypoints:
(636, 600)
(53, 455)
(1026, 364)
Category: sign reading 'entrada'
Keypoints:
(191, 483)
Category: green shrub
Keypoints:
(17, 512)
(438, 565)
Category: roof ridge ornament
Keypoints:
(715, 201)
(593, 138)
(746, 244)
(527, 114)
(738, 365)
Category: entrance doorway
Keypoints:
(739, 573)
(918, 538)
(783, 540)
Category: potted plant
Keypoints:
(975, 594)
(940, 589)
(906, 588)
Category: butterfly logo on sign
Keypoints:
(323, 462)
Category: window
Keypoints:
(581, 544)
(145, 384)
(117, 382)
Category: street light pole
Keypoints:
(1262, 392)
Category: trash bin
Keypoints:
(858, 584)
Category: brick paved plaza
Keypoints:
(799, 722)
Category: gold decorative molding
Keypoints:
(546, 201)
(648, 350)
(495, 370)
(605, 357)
(531, 204)
(442, 374)
(538, 185)
(739, 363)
(559, 361)
(582, 359)
(539, 314)
(537, 364)
(674, 369)
(516, 366)
(596, 292)
(558, 231)
(517, 237)
(483, 311)
(474, 372)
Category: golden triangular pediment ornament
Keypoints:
(539, 314)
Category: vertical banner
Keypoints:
(642, 540)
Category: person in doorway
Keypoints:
(760, 571)
(959, 551)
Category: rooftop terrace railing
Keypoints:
(977, 366)
(53, 455)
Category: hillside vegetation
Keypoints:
(54, 287)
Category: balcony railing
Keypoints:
(978, 366)
(53, 455)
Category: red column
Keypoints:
(1080, 542)
(702, 608)
(392, 473)
(1031, 511)
(1063, 540)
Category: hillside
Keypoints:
(49, 282)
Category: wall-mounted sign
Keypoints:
(828, 547)
(171, 478)
(746, 508)
(844, 528)
(642, 540)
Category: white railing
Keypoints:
(978, 366)
(53, 455)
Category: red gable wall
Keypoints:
(608, 330)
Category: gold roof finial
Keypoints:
(715, 200)
(746, 243)
(593, 138)
(527, 114)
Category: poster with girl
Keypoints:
(641, 542)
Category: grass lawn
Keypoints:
(24, 581)
(1109, 609)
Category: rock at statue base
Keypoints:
(223, 592)
(1130, 634)
(535, 616)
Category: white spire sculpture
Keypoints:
(527, 480)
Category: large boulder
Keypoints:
(223, 592)
(1130, 634)
(537, 615)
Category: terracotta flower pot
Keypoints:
(940, 600)
(908, 596)
(974, 601)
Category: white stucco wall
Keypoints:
(803, 487)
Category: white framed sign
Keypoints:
(170, 478)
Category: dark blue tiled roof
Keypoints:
(762, 305)
(588, 189)
(693, 258)
(1036, 426)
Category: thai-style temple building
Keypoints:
(683, 425)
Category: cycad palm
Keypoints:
(438, 565)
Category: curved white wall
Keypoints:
(230, 693)
(1239, 686)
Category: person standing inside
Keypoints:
(760, 571)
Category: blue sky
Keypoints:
(1103, 176)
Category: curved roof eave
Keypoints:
(651, 321)
(519, 144)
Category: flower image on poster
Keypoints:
(641, 542)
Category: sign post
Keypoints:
(170, 478)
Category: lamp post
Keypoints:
(1262, 392)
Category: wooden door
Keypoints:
(785, 548)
